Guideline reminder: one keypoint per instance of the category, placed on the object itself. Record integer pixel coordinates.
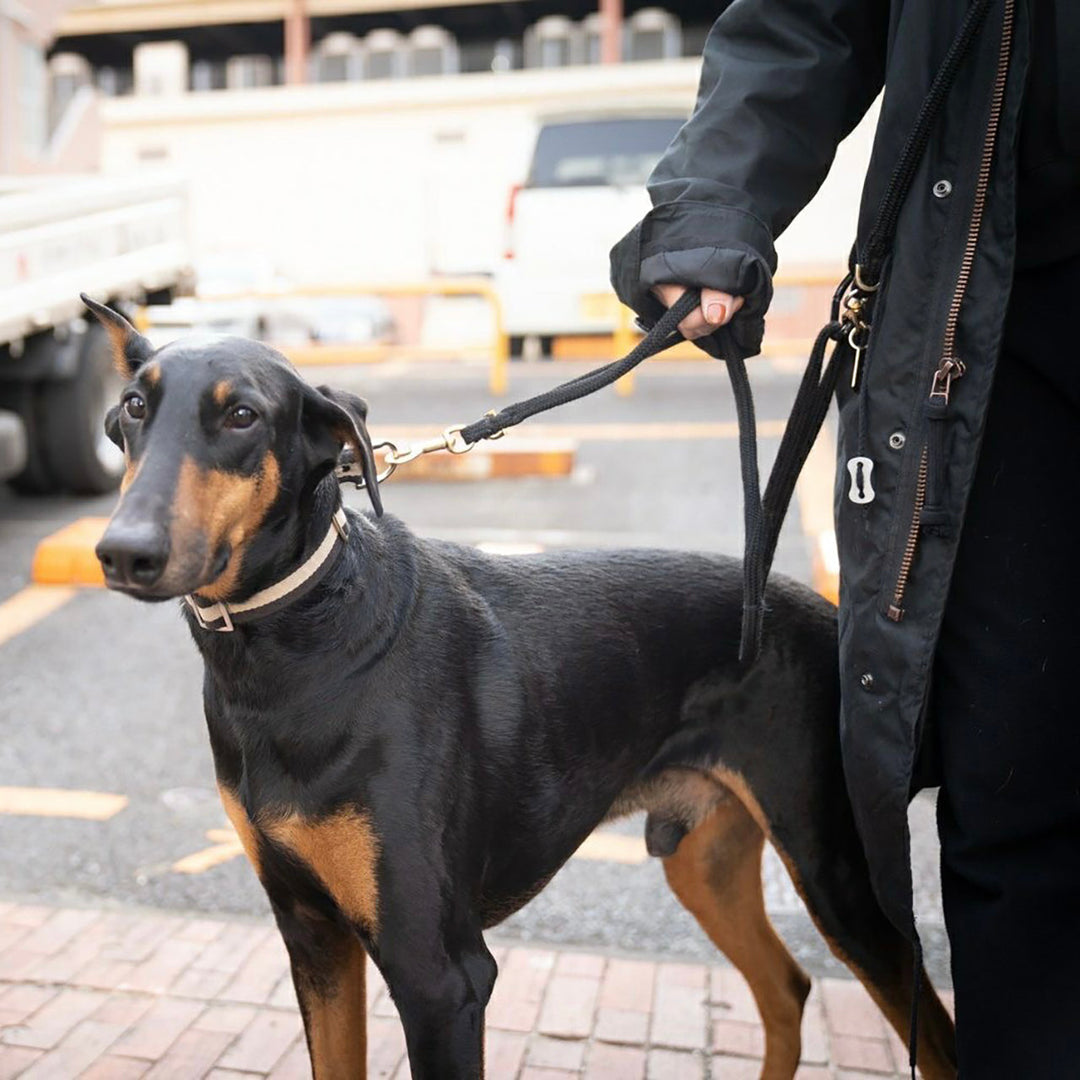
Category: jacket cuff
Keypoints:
(700, 245)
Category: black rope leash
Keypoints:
(662, 335)
(762, 518)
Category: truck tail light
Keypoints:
(511, 207)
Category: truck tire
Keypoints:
(36, 477)
(77, 451)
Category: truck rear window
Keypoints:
(600, 152)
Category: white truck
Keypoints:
(584, 190)
(119, 239)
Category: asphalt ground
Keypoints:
(103, 695)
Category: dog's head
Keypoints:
(225, 446)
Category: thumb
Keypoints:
(717, 307)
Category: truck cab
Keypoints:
(122, 239)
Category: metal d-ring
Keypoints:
(391, 464)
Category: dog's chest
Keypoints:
(340, 851)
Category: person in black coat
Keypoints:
(959, 575)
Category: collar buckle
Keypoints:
(211, 614)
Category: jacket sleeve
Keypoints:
(783, 81)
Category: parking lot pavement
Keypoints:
(103, 694)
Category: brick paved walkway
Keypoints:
(116, 995)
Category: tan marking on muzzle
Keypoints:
(222, 507)
(342, 850)
(130, 473)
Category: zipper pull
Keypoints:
(934, 517)
(951, 368)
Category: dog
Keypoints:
(411, 737)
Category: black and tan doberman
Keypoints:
(411, 737)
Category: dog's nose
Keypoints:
(133, 555)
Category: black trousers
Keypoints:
(1006, 707)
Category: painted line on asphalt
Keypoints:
(60, 803)
(601, 846)
(226, 846)
(29, 606)
(815, 495)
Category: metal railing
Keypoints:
(316, 353)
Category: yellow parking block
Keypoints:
(59, 802)
(492, 462)
(815, 495)
(67, 557)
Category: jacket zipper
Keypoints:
(951, 367)
(880, 239)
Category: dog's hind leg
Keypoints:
(328, 968)
(815, 836)
(716, 873)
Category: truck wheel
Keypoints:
(36, 477)
(77, 451)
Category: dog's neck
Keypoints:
(357, 609)
(288, 558)
(284, 544)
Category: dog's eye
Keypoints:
(240, 416)
(135, 407)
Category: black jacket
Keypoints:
(783, 82)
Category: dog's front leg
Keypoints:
(441, 993)
(328, 970)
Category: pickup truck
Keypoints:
(120, 239)
(585, 188)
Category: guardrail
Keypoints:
(317, 353)
(623, 339)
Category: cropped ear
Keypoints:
(130, 348)
(112, 426)
(332, 420)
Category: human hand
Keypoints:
(717, 309)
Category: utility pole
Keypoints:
(611, 20)
(297, 42)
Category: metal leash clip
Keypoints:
(450, 440)
(348, 468)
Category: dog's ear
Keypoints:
(130, 348)
(112, 426)
(333, 419)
